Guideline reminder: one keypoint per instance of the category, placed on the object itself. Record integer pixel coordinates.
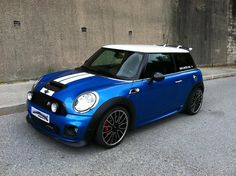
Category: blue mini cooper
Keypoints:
(118, 88)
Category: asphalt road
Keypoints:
(204, 144)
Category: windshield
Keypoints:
(115, 63)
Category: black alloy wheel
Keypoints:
(113, 127)
(194, 102)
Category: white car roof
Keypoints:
(147, 48)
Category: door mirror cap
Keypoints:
(157, 77)
(86, 61)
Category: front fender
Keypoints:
(101, 111)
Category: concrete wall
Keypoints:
(50, 38)
(49, 35)
(232, 32)
(203, 25)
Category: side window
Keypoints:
(184, 61)
(162, 63)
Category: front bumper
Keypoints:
(58, 125)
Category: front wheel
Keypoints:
(194, 102)
(113, 127)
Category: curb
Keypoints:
(12, 109)
(22, 107)
(217, 76)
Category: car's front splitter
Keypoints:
(58, 124)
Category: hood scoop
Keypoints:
(54, 86)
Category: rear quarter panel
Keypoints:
(190, 79)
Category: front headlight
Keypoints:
(29, 96)
(86, 101)
(54, 107)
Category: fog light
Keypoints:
(29, 96)
(54, 107)
(70, 131)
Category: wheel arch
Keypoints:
(114, 102)
(198, 85)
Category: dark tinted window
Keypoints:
(162, 63)
(184, 61)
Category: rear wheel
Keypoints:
(113, 127)
(194, 102)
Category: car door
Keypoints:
(188, 75)
(155, 99)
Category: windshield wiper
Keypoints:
(100, 72)
(86, 69)
(105, 73)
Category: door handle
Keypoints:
(179, 81)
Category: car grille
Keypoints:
(45, 101)
(49, 126)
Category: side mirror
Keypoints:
(157, 77)
(86, 61)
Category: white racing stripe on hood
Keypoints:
(69, 76)
(47, 92)
(87, 75)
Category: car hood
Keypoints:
(71, 83)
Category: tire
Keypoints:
(27, 119)
(194, 102)
(113, 127)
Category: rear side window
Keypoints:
(184, 61)
(162, 63)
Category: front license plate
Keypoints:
(41, 115)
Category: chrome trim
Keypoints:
(178, 81)
(136, 80)
(170, 74)
(134, 91)
(95, 104)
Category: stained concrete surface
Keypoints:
(37, 37)
(201, 145)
